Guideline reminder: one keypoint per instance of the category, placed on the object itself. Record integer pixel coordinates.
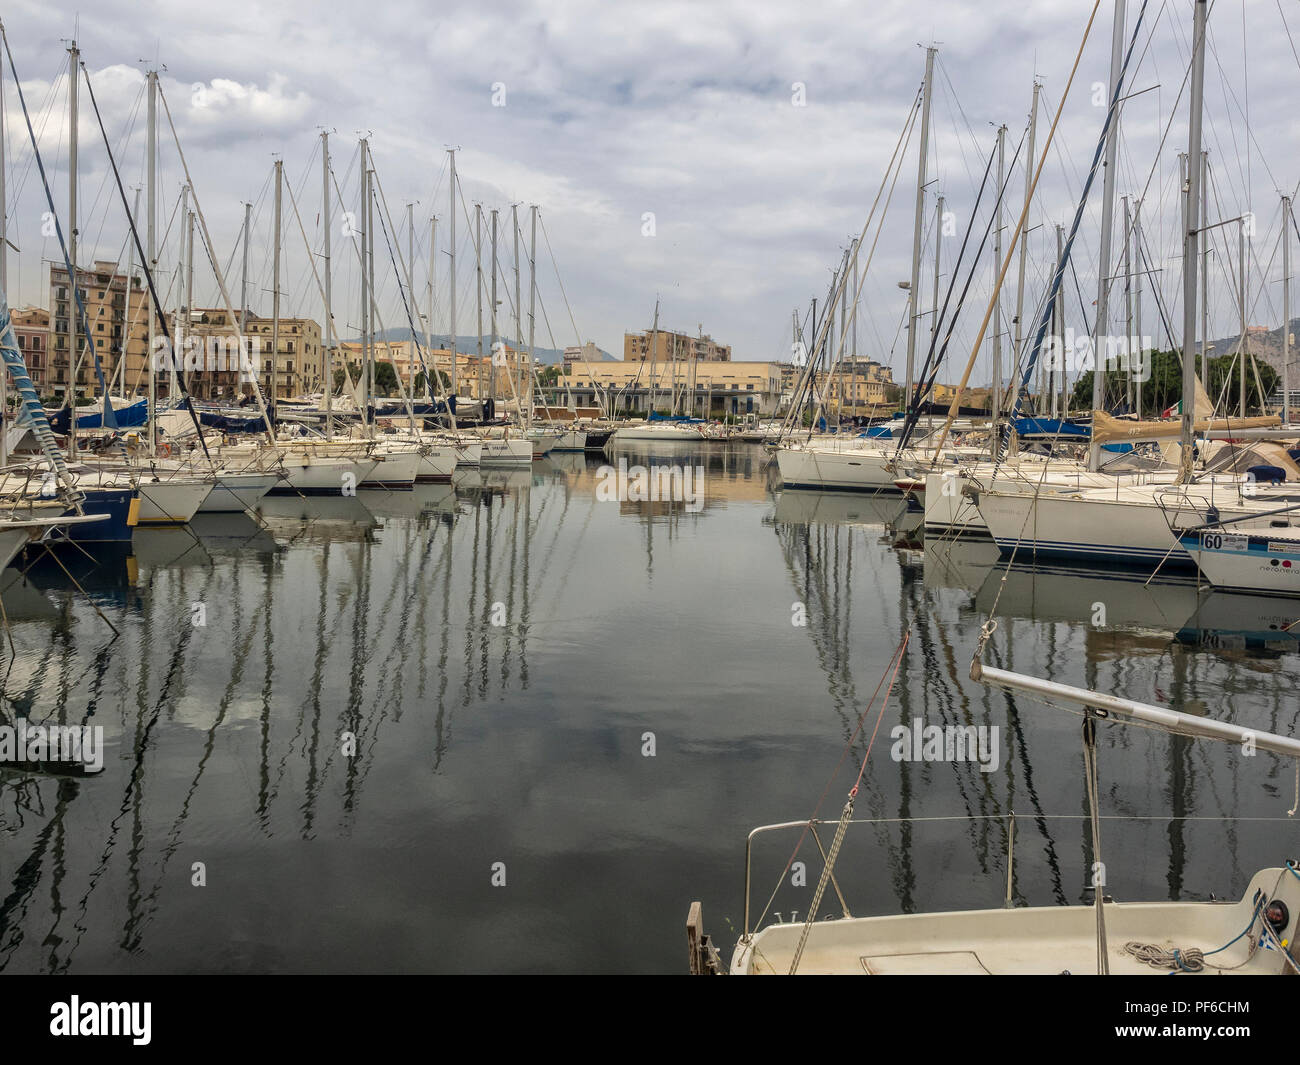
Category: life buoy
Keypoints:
(165, 450)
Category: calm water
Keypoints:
(522, 743)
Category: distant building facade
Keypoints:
(32, 329)
(118, 317)
(702, 389)
(666, 346)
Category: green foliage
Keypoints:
(1164, 386)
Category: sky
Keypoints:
(715, 157)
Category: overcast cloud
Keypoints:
(684, 110)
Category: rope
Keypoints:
(846, 815)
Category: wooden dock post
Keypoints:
(703, 954)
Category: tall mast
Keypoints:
(938, 248)
(178, 327)
(912, 305)
(368, 264)
(519, 329)
(451, 277)
(275, 298)
(410, 292)
(1205, 270)
(151, 171)
(329, 284)
(434, 384)
(532, 290)
(1102, 325)
(189, 266)
(1241, 306)
(365, 295)
(1191, 235)
(1017, 351)
(654, 350)
(478, 287)
(1137, 293)
(1134, 387)
(243, 281)
(1059, 311)
(120, 369)
(853, 315)
(492, 308)
(995, 393)
(74, 356)
(189, 276)
(1286, 311)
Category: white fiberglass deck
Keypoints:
(1041, 940)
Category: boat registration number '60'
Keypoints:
(1214, 541)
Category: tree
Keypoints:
(385, 378)
(1164, 385)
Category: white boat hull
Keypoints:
(235, 492)
(849, 469)
(1248, 559)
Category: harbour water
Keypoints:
(510, 724)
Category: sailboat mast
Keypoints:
(519, 329)
(365, 296)
(938, 248)
(368, 264)
(451, 277)
(1137, 294)
(1060, 325)
(853, 314)
(478, 287)
(1191, 236)
(74, 356)
(1205, 270)
(995, 396)
(432, 383)
(329, 283)
(918, 220)
(1018, 352)
(1241, 306)
(151, 185)
(275, 297)
(120, 369)
(492, 307)
(1102, 325)
(1286, 311)
(1134, 387)
(178, 327)
(532, 289)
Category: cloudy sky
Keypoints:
(756, 134)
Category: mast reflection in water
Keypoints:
(333, 727)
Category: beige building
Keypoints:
(704, 389)
(32, 331)
(859, 382)
(119, 327)
(666, 346)
(213, 371)
(474, 376)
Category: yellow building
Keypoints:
(299, 367)
(859, 382)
